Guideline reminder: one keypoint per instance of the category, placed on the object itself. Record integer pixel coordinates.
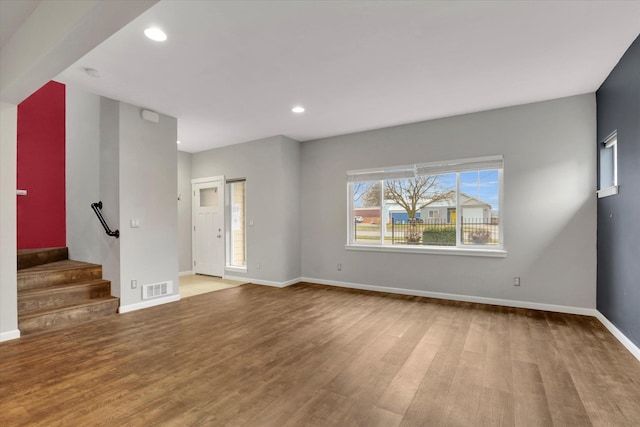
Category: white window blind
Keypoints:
(421, 169)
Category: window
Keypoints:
(237, 241)
(427, 207)
(608, 185)
(209, 197)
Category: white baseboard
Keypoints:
(9, 335)
(264, 282)
(185, 273)
(619, 335)
(456, 297)
(148, 303)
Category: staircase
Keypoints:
(55, 292)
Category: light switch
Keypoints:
(134, 223)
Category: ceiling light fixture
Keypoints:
(298, 109)
(156, 34)
(92, 72)
(178, 142)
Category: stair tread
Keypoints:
(61, 287)
(56, 266)
(87, 303)
(28, 258)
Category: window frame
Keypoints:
(443, 167)
(610, 142)
(229, 226)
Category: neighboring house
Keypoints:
(394, 211)
(370, 215)
(473, 209)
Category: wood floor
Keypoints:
(311, 355)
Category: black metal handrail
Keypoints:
(97, 208)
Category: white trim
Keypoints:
(235, 269)
(208, 179)
(9, 335)
(185, 273)
(265, 282)
(633, 349)
(455, 297)
(148, 303)
(609, 191)
(441, 250)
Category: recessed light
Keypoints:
(92, 72)
(178, 142)
(155, 34)
(298, 109)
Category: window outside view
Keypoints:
(447, 209)
(238, 252)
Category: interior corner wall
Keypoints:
(291, 150)
(8, 240)
(549, 209)
(41, 168)
(83, 174)
(184, 212)
(618, 102)
(269, 166)
(148, 192)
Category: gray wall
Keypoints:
(110, 190)
(618, 227)
(291, 181)
(272, 169)
(8, 242)
(82, 174)
(131, 165)
(549, 204)
(148, 191)
(184, 212)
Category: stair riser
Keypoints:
(30, 258)
(65, 318)
(62, 297)
(44, 279)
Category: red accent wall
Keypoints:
(41, 169)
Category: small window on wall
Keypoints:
(608, 185)
(237, 241)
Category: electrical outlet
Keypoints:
(516, 281)
(134, 284)
(339, 267)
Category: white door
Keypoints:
(208, 227)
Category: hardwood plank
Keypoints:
(317, 355)
(32, 257)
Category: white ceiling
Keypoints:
(231, 71)
(12, 15)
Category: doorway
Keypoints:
(208, 226)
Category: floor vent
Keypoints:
(157, 290)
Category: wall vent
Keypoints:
(157, 290)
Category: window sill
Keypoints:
(605, 192)
(490, 253)
(236, 269)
